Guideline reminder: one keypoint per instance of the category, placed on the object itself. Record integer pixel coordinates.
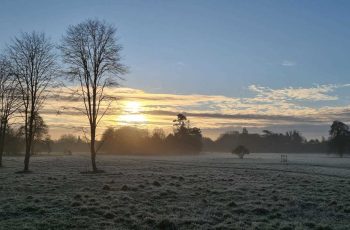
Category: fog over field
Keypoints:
(174, 115)
(207, 191)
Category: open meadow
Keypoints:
(209, 191)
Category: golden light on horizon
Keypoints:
(132, 114)
(132, 118)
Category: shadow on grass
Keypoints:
(93, 172)
(24, 172)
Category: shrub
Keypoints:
(240, 151)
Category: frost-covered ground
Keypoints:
(211, 191)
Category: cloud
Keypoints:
(317, 93)
(237, 116)
(283, 107)
(288, 63)
(180, 63)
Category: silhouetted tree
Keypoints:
(244, 131)
(294, 136)
(9, 100)
(267, 133)
(157, 141)
(158, 134)
(14, 142)
(91, 52)
(68, 143)
(185, 137)
(126, 140)
(181, 124)
(339, 137)
(240, 151)
(209, 144)
(33, 64)
(40, 132)
(196, 139)
(48, 144)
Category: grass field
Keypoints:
(209, 191)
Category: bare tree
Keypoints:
(33, 64)
(9, 100)
(91, 51)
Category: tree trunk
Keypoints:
(1, 144)
(0, 159)
(26, 161)
(2, 140)
(27, 154)
(29, 142)
(92, 148)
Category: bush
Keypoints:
(240, 151)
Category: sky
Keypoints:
(275, 65)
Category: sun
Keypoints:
(132, 107)
(132, 114)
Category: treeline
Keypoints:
(290, 142)
(15, 140)
(267, 142)
(126, 140)
(131, 140)
(66, 144)
(183, 140)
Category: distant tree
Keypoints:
(126, 140)
(108, 140)
(158, 134)
(48, 143)
(181, 124)
(240, 151)
(69, 143)
(156, 143)
(245, 131)
(13, 142)
(186, 138)
(208, 144)
(267, 133)
(339, 137)
(34, 66)
(294, 136)
(196, 137)
(91, 52)
(40, 131)
(9, 100)
(314, 141)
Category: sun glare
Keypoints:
(132, 107)
(132, 118)
(132, 113)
